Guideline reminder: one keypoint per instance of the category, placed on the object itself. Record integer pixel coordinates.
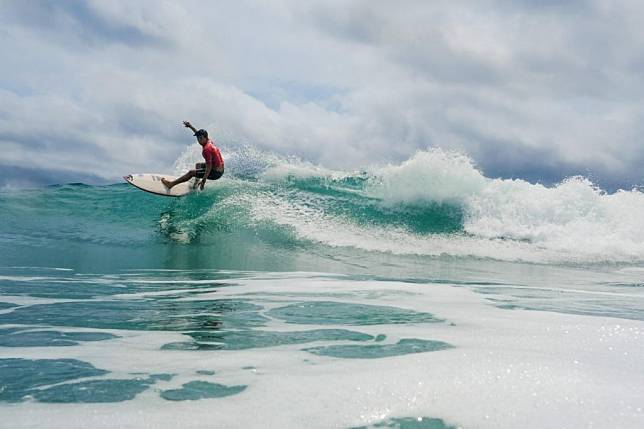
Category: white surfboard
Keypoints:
(152, 183)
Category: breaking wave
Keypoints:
(435, 204)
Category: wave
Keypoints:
(437, 203)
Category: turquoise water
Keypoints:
(419, 295)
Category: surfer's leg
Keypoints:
(189, 175)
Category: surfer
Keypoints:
(212, 169)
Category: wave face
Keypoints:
(435, 204)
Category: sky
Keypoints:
(537, 90)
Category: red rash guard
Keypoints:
(212, 156)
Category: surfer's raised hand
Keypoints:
(189, 125)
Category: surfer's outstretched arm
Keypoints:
(189, 125)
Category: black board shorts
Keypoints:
(201, 171)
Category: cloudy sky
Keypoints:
(540, 90)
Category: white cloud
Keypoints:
(523, 87)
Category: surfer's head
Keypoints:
(202, 136)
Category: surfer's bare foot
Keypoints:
(167, 183)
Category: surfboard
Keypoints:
(152, 183)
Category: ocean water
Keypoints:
(286, 295)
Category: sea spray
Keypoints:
(432, 176)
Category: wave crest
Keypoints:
(437, 203)
(392, 209)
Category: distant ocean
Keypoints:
(286, 295)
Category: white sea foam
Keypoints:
(572, 217)
(429, 176)
(310, 223)
(504, 219)
(508, 369)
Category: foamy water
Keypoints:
(287, 294)
(503, 368)
(501, 219)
